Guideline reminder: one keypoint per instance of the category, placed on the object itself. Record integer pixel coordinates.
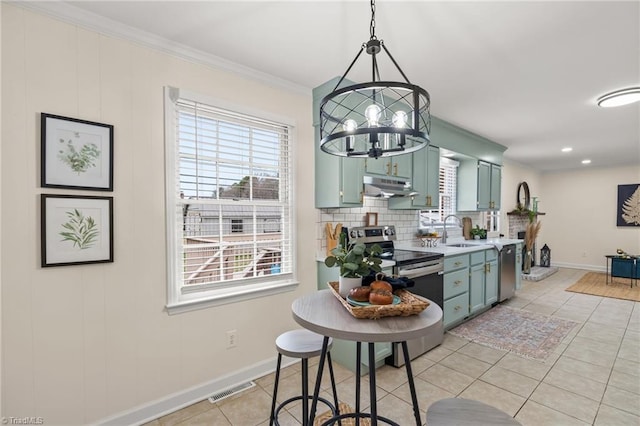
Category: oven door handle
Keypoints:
(421, 272)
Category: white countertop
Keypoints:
(447, 250)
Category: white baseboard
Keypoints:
(598, 268)
(163, 406)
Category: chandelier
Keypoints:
(377, 118)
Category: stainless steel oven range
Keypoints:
(424, 268)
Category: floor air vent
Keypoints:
(229, 392)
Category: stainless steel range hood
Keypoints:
(386, 188)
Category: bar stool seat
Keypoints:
(467, 412)
(303, 344)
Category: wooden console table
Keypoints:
(623, 267)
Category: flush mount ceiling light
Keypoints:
(377, 118)
(567, 149)
(620, 97)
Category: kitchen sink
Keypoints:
(461, 245)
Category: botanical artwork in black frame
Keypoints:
(75, 154)
(628, 213)
(76, 230)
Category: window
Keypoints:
(448, 175)
(229, 208)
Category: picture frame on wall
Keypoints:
(371, 219)
(628, 211)
(76, 154)
(76, 230)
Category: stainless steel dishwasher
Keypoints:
(507, 272)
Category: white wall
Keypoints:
(81, 343)
(580, 205)
(580, 226)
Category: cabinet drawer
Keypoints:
(477, 257)
(455, 283)
(491, 254)
(455, 309)
(451, 263)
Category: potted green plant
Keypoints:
(355, 261)
(478, 234)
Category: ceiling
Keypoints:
(523, 74)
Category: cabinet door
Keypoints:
(352, 175)
(476, 288)
(401, 166)
(491, 282)
(424, 180)
(484, 185)
(433, 177)
(378, 166)
(496, 180)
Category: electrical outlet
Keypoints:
(232, 339)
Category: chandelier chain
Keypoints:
(372, 26)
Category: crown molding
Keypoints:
(66, 12)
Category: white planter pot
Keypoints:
(345, 284)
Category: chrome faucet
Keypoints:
(444, 227)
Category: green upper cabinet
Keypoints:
(338, 180)
(479, 185)
(424, 180)
(398, 166)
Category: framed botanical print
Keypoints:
(76, 154)
(628, 213)
(76, 229)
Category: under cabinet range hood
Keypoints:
(386, 188)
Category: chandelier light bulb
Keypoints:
(349, 125)
(372, 113)
(399, 119)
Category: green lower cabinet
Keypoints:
(477, 288)
(344, 353)
(491, 282)
(455, 309)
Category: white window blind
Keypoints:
(448, 183)
(230, 197)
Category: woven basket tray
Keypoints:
(410, 304)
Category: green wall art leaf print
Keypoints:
(81, 230)
(78, 160)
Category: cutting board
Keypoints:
(466, 227)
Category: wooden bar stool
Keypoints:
(303, 344)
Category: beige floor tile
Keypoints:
(566, 402)
(213, 416)
(574, 313)
(465, 364)
(629, 349)
(438, 353)
(585, 300)
(591, 356)
(483, 353)
(251, 408)
(347, 392)
(582, 343)
(624, 381)
(601, 333)
(446, 378)
(529, 368)
(621, 399)
(397, 410)
(608, 416)
(427, 393)
(577, 384)
(534, 414)
(389, 378)
(540, 308)
(626, 366)
(583, 369)
(510, 381)
(420, 364)
(453, 342)
(492, 395)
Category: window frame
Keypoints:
(179, 297)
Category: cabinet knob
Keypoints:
(388, 169)
(428, 200)
(395, 169)
(457, 282)
(457, 308)
(458, 263)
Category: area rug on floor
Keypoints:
(525, 333)
(595, 283)
(344, 408)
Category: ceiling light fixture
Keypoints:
(377, 118)
(586, 161)
(620, 97)
(567, 149)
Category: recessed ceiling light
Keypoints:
(567, 149)
(586, 161)
(620, 97)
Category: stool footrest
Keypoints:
(297, 398)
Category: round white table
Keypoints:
(322, 312)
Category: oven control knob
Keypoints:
(388, 231)
(361, 233)
(353, 234)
